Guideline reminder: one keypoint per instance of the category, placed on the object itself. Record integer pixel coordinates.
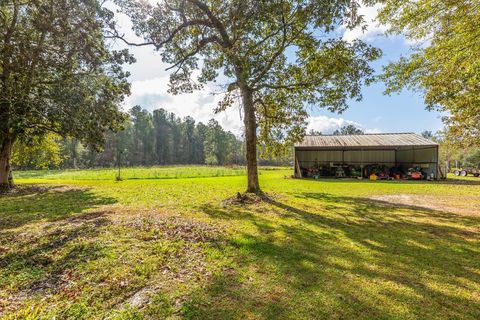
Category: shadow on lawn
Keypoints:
(41, 258)
(345, 257)
(44, 262)
(28, 204)
(470, 181)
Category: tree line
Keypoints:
(148, 138)
(348, 129)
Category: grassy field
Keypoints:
(79, 245)
(167, 172)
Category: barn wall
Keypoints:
(319, 156)
(404, 155)
(370, 156)
(353, 156)
(417, 155)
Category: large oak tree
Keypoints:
(279, 56)
(56, 73)
(444, 65)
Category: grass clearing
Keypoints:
(165, 172)
(172, 248)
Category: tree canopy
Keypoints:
(57, 73)
(276, 57)
(445, 63)
(348, 130)
(146, 139)
(38, 153)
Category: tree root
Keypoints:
(247, 198)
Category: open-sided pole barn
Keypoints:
(322, 155)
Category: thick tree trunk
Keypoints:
(6, 181)
(251, 139)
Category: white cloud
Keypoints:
(149, 89)
(152, 94)
(374, 130)
(327, 125)
(373, 28)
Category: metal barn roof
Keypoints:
(365, 140)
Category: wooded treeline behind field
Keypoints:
(148, 138)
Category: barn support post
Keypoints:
(361, 164)
(437, 165)
(396, 157)
(295, 162)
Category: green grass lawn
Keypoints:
(79, 245)
(166, 172)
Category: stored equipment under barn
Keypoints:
(382, 156)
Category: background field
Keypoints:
(169, 172)
(74, 245)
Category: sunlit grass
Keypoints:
(86, 248)
(166, 172)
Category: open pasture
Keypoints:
(156, 172)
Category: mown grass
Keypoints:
(172, 248)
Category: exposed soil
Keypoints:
(452, 204)
(171, 227)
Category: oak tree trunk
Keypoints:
(6, 181)
(251, 139)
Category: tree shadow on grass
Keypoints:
(345, 257)
(470, 181)
(46, 232)
(34, 203)
(44, 261)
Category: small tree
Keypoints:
(348, 130)
(56, 74)
(278, 56)
(39, 153)
(314, 132)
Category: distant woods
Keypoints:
(348, 129)
(148, 138)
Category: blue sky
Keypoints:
(381, 113)
(404, 112)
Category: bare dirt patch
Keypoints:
(168, 226)
(469, 206)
